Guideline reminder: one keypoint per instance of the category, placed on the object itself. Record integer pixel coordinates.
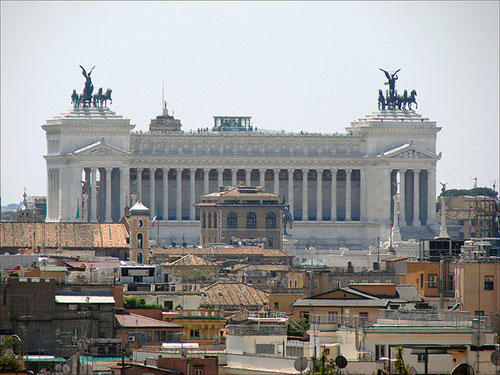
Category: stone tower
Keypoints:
(139, 233)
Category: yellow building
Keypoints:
(476, 286)
(245, 214)
(202, 325)
(428, 278)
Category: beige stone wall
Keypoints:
(470, 287)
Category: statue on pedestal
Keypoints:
(392, 100)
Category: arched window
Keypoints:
(251, 220)
(232, 220)
(215, 220)
(139, 257)
(270, 221)
(209, 220)
(139, 241)
(203, 220)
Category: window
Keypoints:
(270, 242)
(139, 257)
(232, 220)
(215, 220)
(203, 218)
(194, 333)
(270, 221)
(363, 318)
(379, 351)
(251, 220)
(421, 357)
(432, 280)
(209, 225)
(276, 305)
(333, 317)
(421, 280)
(169, 305)
(198, 371)
(139, 240)
(488, 283)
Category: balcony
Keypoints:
(257, 330)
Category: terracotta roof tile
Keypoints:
(190, 260)
(222, 251)
(233, 295)
(66, 235)
(131, 320)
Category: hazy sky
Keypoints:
(291, 65)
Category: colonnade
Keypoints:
(314, 194)
(417, 189)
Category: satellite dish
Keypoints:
(300, 364)
(463, 369)
(341, 361)
(495, 357)
(413, 371)
(58, 367)
(66, 369)
(478, 339)
(9, 351)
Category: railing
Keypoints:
(257, 330)
(266, 315)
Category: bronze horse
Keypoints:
(100, 99)
(412, 99)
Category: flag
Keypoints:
(154, 218)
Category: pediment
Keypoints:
(409, 151)
(100, 148)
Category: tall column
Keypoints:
(220, 175)
(262, 177)
(290, 190)
(206, 181)
(138, 185)
(93, 195)
(348, 187)
(402, 197)
(234, 173)
(178, 209)
(165, 194)
(363, 200)
(152, 200)
(276, 175)
(431, 195)
(192, 193)
(124, 190)
(248, 175)
(305, 197)
(333, 206)
(107, 215)
(416, 197)
(59, 195)
(319, 195)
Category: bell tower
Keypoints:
(139, 233)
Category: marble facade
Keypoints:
(339, 186)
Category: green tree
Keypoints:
(138, 303)
(399, 364)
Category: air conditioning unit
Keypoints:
(131, 338)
